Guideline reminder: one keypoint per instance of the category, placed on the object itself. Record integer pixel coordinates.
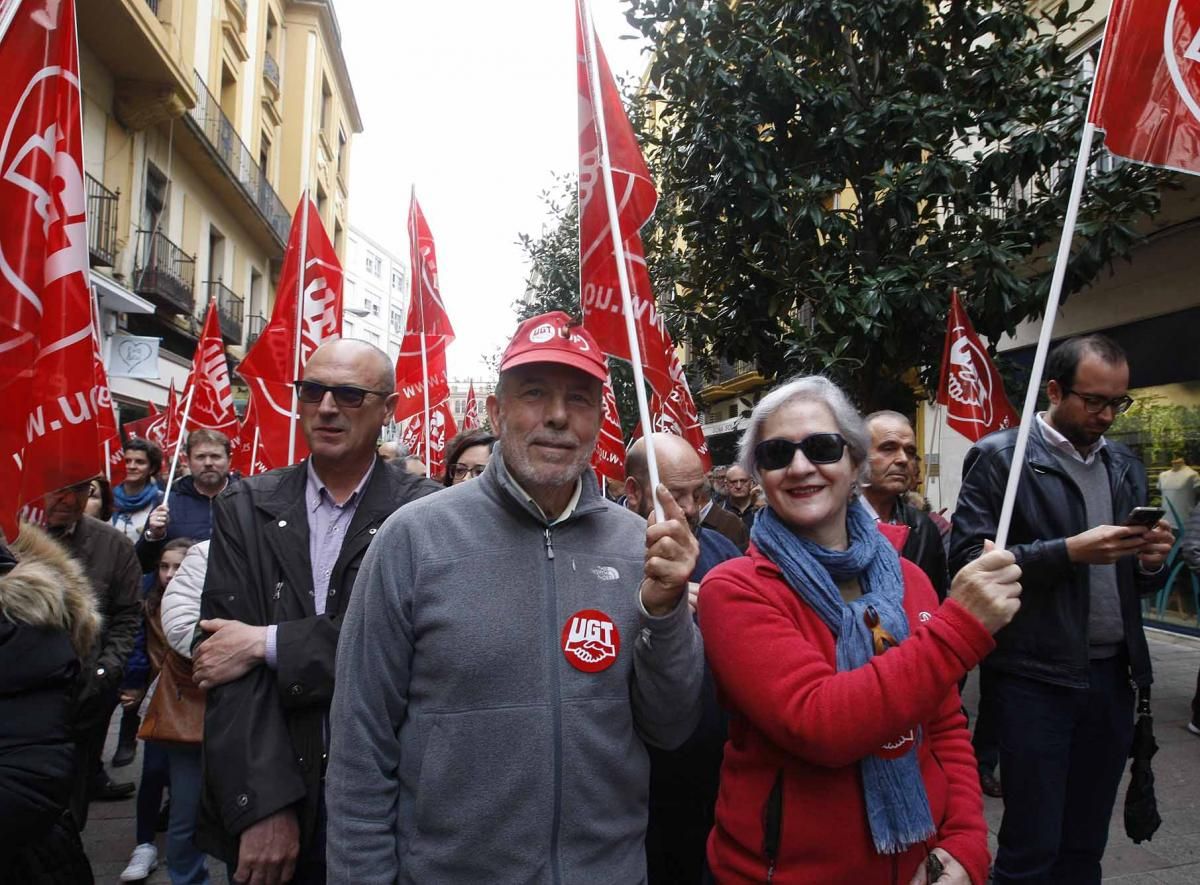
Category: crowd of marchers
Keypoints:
(341, 671)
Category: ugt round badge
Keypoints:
(590, 641)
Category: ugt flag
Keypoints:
(1147, 90)
(49, 437)
(208, 395)
(971, 389)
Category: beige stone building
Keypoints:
(204, 122)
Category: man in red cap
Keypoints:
(511, 647)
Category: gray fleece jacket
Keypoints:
(465, 744)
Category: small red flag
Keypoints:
(208, 385)
(49, 438)
(112, 452)
(608, 458)
(1147, 91)
(271, 365)
(249, 454)
(471, 410)
(442, 429)
(427, 323)
(971, 389)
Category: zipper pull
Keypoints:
(549, 544)
(278, 589)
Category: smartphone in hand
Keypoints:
(1147, 516)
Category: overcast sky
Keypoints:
(474, 102)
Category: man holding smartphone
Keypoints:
(1061, 671)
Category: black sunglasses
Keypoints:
(343, 394)
(818, 448)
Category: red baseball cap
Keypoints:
(555, 338)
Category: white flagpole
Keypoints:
(415, 254)
(254, 451)
(614, 225)
(1043, 346)
(187, 410)
(107, 463)
(300, 272)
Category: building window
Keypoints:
(733, 411)
(374, 264)
(341, 152)
(373, 338)
(326, 105)
(397, 280)
(397, 320)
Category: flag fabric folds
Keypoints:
(608, 458)
(1147, 91)
(471, 410)
(112, 452)
(311, 273)
(636, 197)
(50, 436)
(971, 389)
(249, 456)
(428, 324)
(442, 429)
(208, 388)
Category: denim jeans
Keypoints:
(1063, 752)
(155, 778)
(186, 863)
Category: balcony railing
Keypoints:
(164, 272)
(238, 161)
(254, 328)
(727, 371)
(271, 70)
(230, 309)
(153, 4)
(102, 223)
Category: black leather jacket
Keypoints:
(923, 546)
(1048, 639)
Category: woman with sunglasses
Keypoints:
(848, 758)
(467, 456)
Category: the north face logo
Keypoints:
(591, 641)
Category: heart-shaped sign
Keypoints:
(134, 353)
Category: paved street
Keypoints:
(1171, 857)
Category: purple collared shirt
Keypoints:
(328, 522)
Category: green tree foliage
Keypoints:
(832, 168)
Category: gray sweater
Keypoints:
(464, 745)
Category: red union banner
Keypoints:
(49, 438)
(1147, 92)
(428, 324)
(971, 389)
(250, 457)
(600, 293)
(608, 458)
(311, 266)
(676, 413)
(471, 411)
(208, 384)
(442, 429)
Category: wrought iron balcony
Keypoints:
(237, 160)
(102, 223)
(230, 309)
(271, 70)
(254, 328)
(164, 273)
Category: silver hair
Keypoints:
(809, 388)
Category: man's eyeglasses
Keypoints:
(1095, 404)
(818, 448)
(343, 394)
(461, 471)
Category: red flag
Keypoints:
(141, 428)
(159, 428)
(600, 293)
(249, 454)
(471, 411)
(676, 413)
(208, 388)
(971, 389)
(427, 323)
(112, 452)
(272, 365)
(1147, 91)
(48, 439)
(442, 429)
(608, 458)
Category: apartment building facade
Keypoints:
(375, 293)
(204, 121)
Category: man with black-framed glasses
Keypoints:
(1060, 677)
(286, 548)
